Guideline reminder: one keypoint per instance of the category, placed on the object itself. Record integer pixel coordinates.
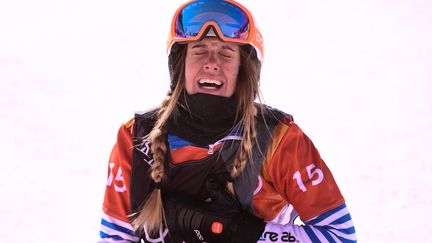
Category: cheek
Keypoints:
(190, 73)
(232, 75)
(187, 73)
(233, 71)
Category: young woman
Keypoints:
(210, 164)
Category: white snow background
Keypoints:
(356, 75)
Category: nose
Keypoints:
(212, 64)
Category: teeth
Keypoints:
(210, 81)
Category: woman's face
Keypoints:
(212, 67)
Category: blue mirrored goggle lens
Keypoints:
(231, 19)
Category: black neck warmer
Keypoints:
(202, 118)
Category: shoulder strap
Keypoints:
(267, 120)
(141, 185)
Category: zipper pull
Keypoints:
(210, 150)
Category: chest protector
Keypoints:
(188, 178)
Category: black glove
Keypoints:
(221, 220)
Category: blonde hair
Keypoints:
(151, 215)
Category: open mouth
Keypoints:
(210, 84)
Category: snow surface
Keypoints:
(356, 75)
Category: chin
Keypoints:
(212, 92)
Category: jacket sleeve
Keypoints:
(297, 173)
(115, 223)
(333, 226)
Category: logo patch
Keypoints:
(198, 234)
(118, 178)
(217, 227)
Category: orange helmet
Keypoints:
(231, 21)
(227, 19)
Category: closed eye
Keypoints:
(225, 55)
(200, 53)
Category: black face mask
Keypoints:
(202, 118)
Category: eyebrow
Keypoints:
(202, 45)
(226, 47)
(198, 45)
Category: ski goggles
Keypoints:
(231, 21)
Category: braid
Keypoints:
(247, 90)
(249, 137)
(158, 145)
(151, 215)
